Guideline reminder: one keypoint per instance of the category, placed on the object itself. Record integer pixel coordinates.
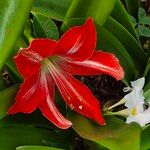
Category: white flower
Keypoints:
(134, 101)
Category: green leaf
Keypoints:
(55, 9)
(35, 119)
(133, 21)
(91, 145)
(147, 69)
(115, 135)
(147, 92)
(7, 97)
(147, 82)
(129, 42)
(143, 31)
(99, 10)
(15, 136)
(145, 21)
(13, 14)
(141, 14)
(44, 27)
(145, 136)
(132, 7)
(36, 148)
(120, 14)
(28, 33)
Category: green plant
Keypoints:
(142, 24)
(21, 21)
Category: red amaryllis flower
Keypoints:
(46, 63)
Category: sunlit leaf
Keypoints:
(55, 9)
(13, 14)
(99, 10)
(115, 135)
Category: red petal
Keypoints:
(28, 59)
(48, 107)
(38, 91)
(44, 47)
(77, 95)
(26, 64)
(98, 63)
(50, 111)
(29, 97)
(78, 42)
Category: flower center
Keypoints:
(48, 63)
(133, 111)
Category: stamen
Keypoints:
(133, 111)
(71, 106)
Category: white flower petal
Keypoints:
(142, 118)
(134, 99)
(138, 84)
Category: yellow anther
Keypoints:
(134, 111)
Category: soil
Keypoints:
(105, 88)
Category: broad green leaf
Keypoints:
(120, 14)
(55, 9)
(15, 136)
(115, 135)
(145, 21)
(143, 31)
(99, 10)
(44, 27)
(132, 7)
(129, 42)
(145, 136)
(37, 148)
(141, 13)
(13, 14)
(7, 97)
